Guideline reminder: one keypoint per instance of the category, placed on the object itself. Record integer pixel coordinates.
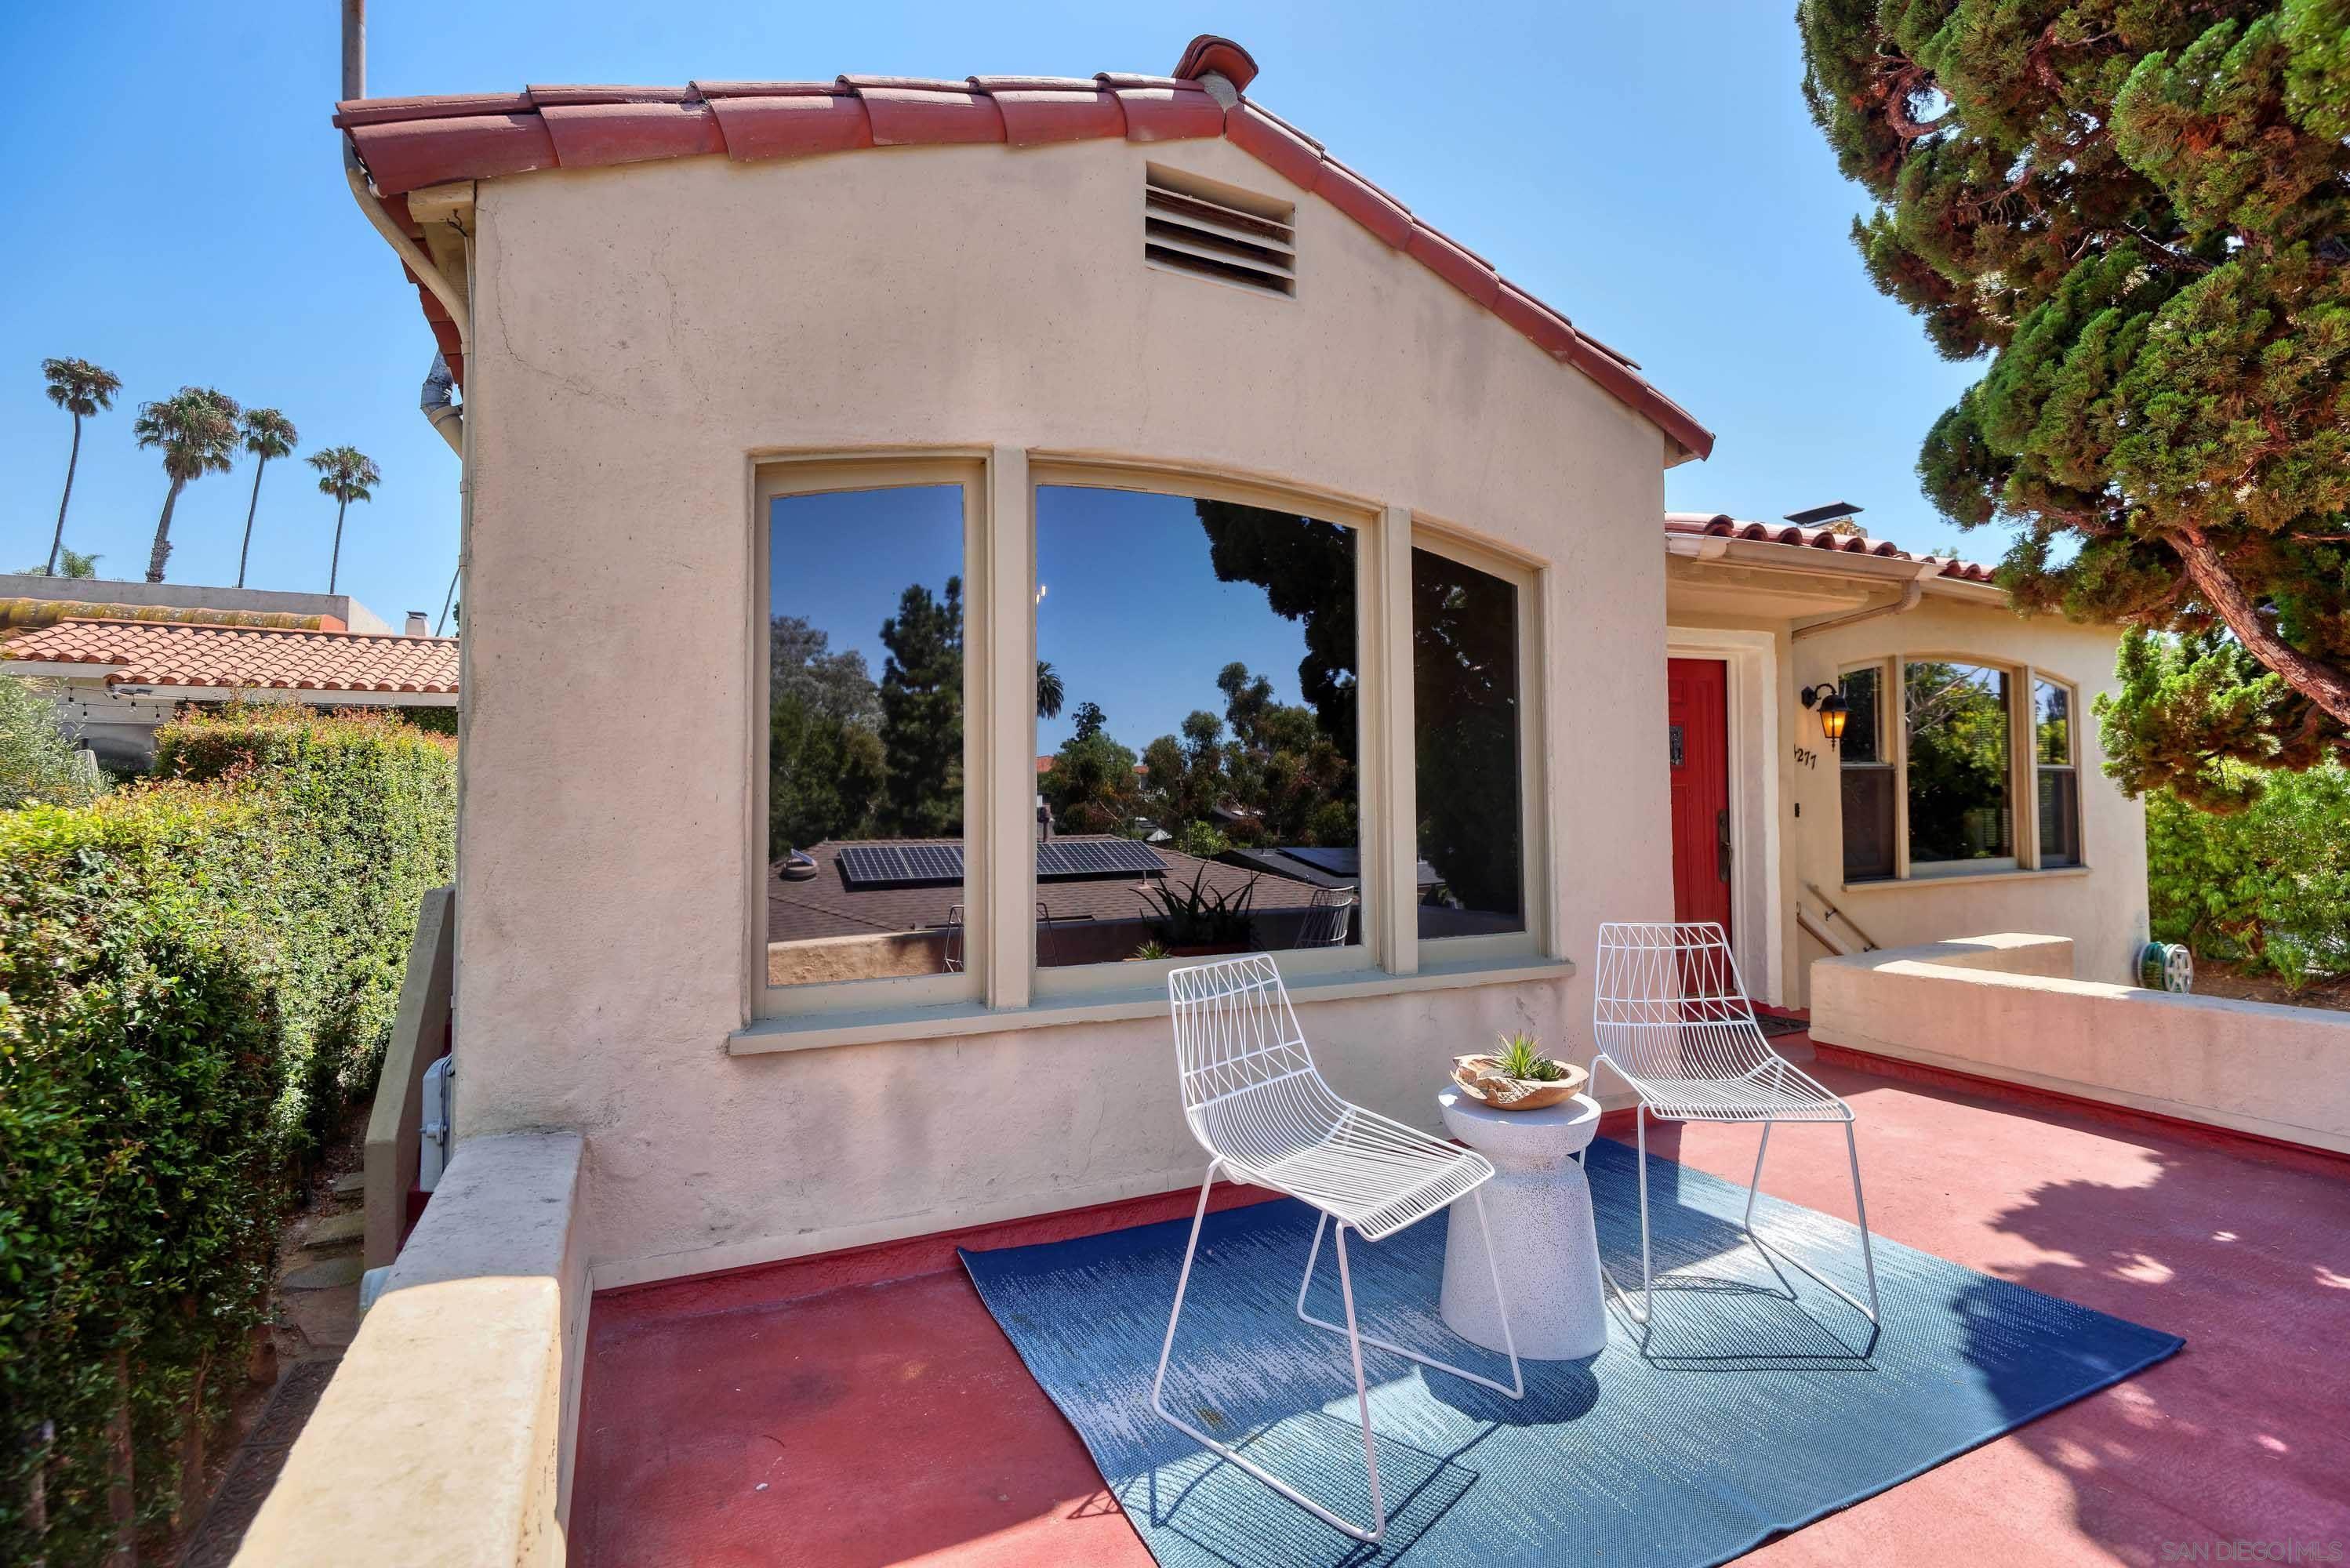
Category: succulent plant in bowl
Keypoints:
(1517, 1076)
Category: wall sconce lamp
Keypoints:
(1829, 698)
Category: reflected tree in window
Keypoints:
(921, 713)
(1959, 722)
(1464, 630)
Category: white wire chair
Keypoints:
(1259, 1107)
(1669, 1014)
(1329, 914)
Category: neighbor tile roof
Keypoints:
(243, 658)
(408, 143)
(1722, 525)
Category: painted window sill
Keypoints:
(820, 1032)
(1966, 879)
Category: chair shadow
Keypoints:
(1239, 1521)
(1741, 1309)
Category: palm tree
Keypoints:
(1048, 690)
(70, 564)
(196, 430)
(80, 389)
(267, 434)
(347, 474)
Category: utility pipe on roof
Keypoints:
(1913, 592)
(408, 251)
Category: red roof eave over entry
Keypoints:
(408, 143)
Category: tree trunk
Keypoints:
(336, 563)
(36, 1492)
(192, 1451)
(121, 1494)
(2321, 682)
(163, 550)
(250, 508)
(57, 542)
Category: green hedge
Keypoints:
(200, 973)
(2267, 886)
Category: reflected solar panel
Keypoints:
(1096, 858)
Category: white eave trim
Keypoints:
(1892, 570)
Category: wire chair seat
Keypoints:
(1778, 1092)
(1376, 1174)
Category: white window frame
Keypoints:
(782, 479)
(2022, 768)
(1001, 980)
(2034, 679)
(1538, 893)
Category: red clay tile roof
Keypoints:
(245, 659)
(1722, 525)
(408, 143)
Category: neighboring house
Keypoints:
(1966, 794)
(122, 663)
(713, 303)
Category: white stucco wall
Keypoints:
(639, 336)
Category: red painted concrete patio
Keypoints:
(864, 1409)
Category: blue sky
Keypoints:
(178, 213)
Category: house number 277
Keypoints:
(1807, 757)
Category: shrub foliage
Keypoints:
(2267, 886)
(196, 975)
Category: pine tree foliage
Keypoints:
(2138, 211)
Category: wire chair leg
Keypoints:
(1774, 1255)
(1225, 1450)
(1639, 1314)
(1516, 1387)
(1362, 1396)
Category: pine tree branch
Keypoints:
(2321, 682)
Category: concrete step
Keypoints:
(332, 1232)
(323, 1274)
(351, 1182)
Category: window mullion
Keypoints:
(1389, 806)
(1898, 707)
(2023, 765)
(1000, 729)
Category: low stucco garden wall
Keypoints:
(2007, 1007)
(460, 1394)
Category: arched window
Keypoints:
(1934, 782)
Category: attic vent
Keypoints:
(1199, 226)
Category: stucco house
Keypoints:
(803, 423)
(945, 346)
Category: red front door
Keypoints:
(1700, 702)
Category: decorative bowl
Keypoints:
(1482, 1079)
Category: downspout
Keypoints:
(435, 400)
(1913, 592)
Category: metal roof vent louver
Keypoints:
(1211, 230)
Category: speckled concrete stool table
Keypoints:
(1540, 1207)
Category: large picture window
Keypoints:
(1197, 761)
(1467, 709)
(865, 783)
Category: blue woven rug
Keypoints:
(1757, 1406)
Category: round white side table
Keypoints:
(1540, 1207)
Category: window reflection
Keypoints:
(1959, 721)
(1196, 728)
(865, 785)
(1465, 692)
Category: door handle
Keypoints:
(1721, 843)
